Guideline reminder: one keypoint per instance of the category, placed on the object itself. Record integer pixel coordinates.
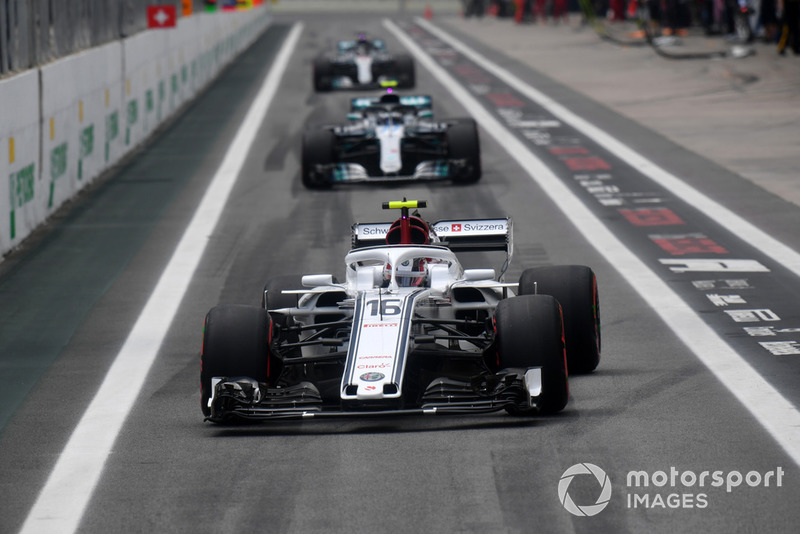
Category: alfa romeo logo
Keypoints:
(602, 499)
(371, 377)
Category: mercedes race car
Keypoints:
(362, 63)
(391, 138)
(408, 331)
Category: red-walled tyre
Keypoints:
(575, 287)
(530, 334)
(235, 343)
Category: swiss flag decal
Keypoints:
(456, 227)
(161, 16)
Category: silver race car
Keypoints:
(391, 138)
(362, 63)
(408, 331)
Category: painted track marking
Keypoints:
(754, 236)
(62, 501)
(776, 414)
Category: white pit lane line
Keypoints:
(776, 414)
(62, 501)
(760, 240)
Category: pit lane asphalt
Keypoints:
(650, 406)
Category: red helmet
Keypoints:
(419, 230)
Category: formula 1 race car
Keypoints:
(391, 138)
(364, 64)
(409, 331)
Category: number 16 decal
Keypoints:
(384, 306)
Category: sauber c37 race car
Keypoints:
(391, 138)
(408, 331)
(362, 63)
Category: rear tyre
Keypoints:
(463, 143)
(235, 343)
(406, 76)
(530, 334)
(273, 296)
(318, 149)
(322, 74)
(575, 287)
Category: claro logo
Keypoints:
(604, 493)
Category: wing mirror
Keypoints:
(316, 280)
(478, 274)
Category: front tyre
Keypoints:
(322, 74)
(464, 144)
(575, 287)
(318, 149)
(530, 334)
(406, 76)
(235, 343)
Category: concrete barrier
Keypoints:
(80, 106)
(19, 158)
(74, 118)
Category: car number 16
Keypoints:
(384, 306)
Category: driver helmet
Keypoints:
(362, 44)
(410, 273)
(420, 232)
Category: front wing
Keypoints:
(338, 173)
(344, 75)
(515, 390)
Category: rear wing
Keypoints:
(476, 234)
(458, 235)
(345, 46)
(419, 102)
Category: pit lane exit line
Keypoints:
(62, 501)
(776, 414)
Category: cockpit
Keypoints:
(382, 117)
(401, 266)
(361, 46)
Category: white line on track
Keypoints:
(776, 414)
(66, 494)
(760, 240)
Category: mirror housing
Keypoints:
(315, 280)
(472, 275)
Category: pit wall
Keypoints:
(63, 124)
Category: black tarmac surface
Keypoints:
(69, 297)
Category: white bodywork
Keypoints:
(349, 344)
(364, 68)
(386, 286)
(390, 137)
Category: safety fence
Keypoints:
(35, 32)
